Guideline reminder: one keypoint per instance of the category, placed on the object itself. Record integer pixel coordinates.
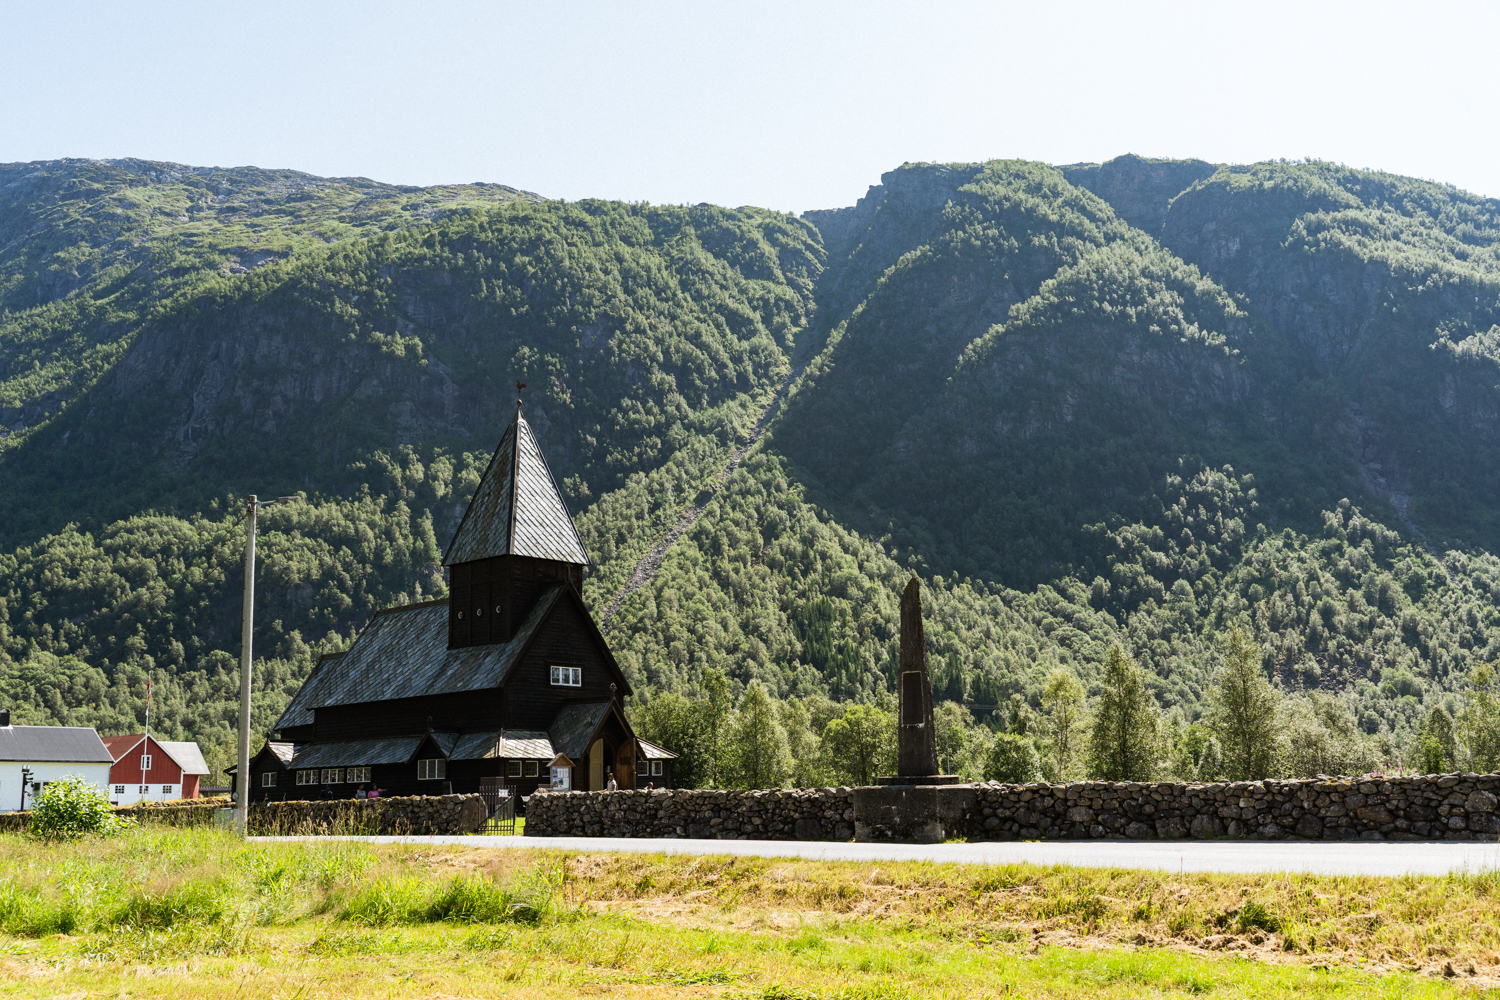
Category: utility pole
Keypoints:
(242, 779)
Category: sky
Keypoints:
(789, 106)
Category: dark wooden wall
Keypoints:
(460, 712)
(488, 599)
(564, 640)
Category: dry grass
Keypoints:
(199, 913)
(1419, 923)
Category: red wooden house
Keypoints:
(150, 770)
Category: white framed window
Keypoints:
(333, 776)
(145, 762)
(357, 775)
(268, 779)
(435, 769)
(642, 767)
(119, 789)
(143, 790)
(307, 777)
(571, 677)
(656, 768)
(532, 768)
(513, 769)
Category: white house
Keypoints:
(40, 754)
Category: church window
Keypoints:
(656, 768)
(531, 769)
(435, 769)
(513, 769)
(268, 779)
(307, 777)
(642, 767)
(567, 676)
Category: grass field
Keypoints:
(175, 913)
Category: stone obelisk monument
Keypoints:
(916, 736)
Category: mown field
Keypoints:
(172, 913)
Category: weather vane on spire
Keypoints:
(519, 386)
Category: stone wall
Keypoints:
(1432, 807)
(782, 814)
(414, 814)
(417, 814)
(178, 812)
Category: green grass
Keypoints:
(197, 912)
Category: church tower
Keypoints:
(515, 541)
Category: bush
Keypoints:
(1013, 760)
(69, 808)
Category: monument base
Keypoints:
(928, 813)
(920, 779)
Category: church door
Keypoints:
(596, 766)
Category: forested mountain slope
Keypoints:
(1132, 402)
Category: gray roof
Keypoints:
(186, 754)
(403, 653)
(516, 743)
(53, 744)
(651, 751)
(517, 509)
(574, 725)
(357, 753)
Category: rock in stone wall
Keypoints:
(780, 814)
(415, 814)
(1431, 807)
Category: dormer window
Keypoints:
(567, 677)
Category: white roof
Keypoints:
(186, 755)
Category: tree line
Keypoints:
(1250, 730)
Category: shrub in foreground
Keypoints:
(69, 808)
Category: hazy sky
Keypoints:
(791, 106)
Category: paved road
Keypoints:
(1357, 858)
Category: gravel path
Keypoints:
(1317, 857)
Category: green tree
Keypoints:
(1318, 735)
(1123, 741)
(1013, 759)
(1479, 721)
(1242, 710)
(860, 744)
(714, 712)
(807, 770)
(675, 722)
(1436, 748)
(762, 756)
(963, 747)
(1063, 722)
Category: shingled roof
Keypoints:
(403, 653)
(517, 509)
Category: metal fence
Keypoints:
(501, 805)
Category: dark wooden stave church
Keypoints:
(508, 680)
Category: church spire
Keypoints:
(517, 509)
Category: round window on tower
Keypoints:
(497, 609)
(478, 612)
(460, 616)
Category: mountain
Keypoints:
(1126, 402)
